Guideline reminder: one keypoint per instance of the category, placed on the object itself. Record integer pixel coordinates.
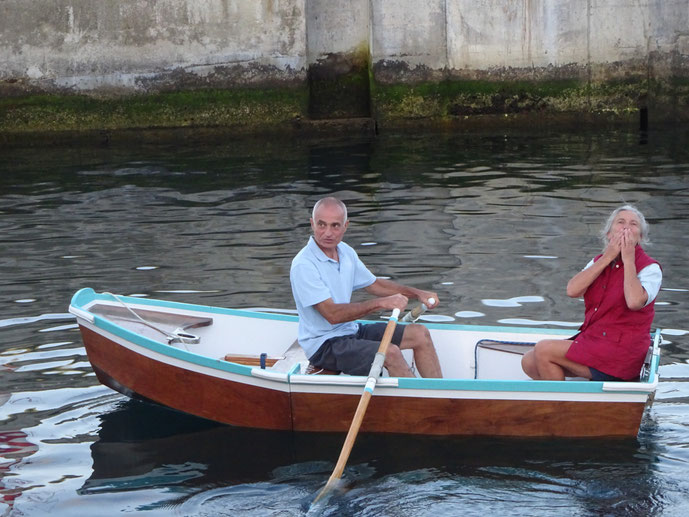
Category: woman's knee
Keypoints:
(551, 351)
(540, 346)
(527, 358)
(529, 364)
(543, 349)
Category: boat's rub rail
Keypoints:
(644, 387)
(346, 380)
(269, 374)
(82, 314)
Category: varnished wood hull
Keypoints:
(469, 417)
(186, 390)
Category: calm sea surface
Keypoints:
(495, 223)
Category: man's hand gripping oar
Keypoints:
(417, 311)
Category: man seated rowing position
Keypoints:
(324, 274)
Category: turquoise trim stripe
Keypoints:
(370, 390)
(170, 351)
(505, 386)
(654, 367)
(84, 297)
(500, 385)
(655, 360)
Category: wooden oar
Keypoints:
(373, 374)
(417, 311)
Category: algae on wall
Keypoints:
(246, 110)
(454, 101)
(72, 65)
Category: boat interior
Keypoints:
(269, 342)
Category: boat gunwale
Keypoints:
(86, 297)
(80, 304)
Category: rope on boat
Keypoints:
(176, 336)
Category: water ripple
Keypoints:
(33, 319)
(494, 223)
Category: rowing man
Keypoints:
(324, 274)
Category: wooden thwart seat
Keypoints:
(292, 356)
(250, 360)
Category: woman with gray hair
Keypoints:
(619, 288)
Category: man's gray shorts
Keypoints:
(353, 354)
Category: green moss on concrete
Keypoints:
(249, 109)
(451, 100)
(439, 104)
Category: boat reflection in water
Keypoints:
(200, 463)
(141, 445)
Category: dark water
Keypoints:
(495, 223)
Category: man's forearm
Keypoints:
(343, 312)
(385, 287)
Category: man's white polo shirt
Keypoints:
(315, 278)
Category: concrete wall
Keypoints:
(90, 45)
(478, 37)
(517, 34)
(108, 48)
(336, 27)
(138, 45)
(411, 32)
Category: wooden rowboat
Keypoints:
(245, 368)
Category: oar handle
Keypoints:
(373, 374)
(417, 311)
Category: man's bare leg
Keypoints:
(418, 339)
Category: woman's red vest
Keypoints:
(613, 338)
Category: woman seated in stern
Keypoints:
(619, 288)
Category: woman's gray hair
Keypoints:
(629, 208)
(329, 201)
